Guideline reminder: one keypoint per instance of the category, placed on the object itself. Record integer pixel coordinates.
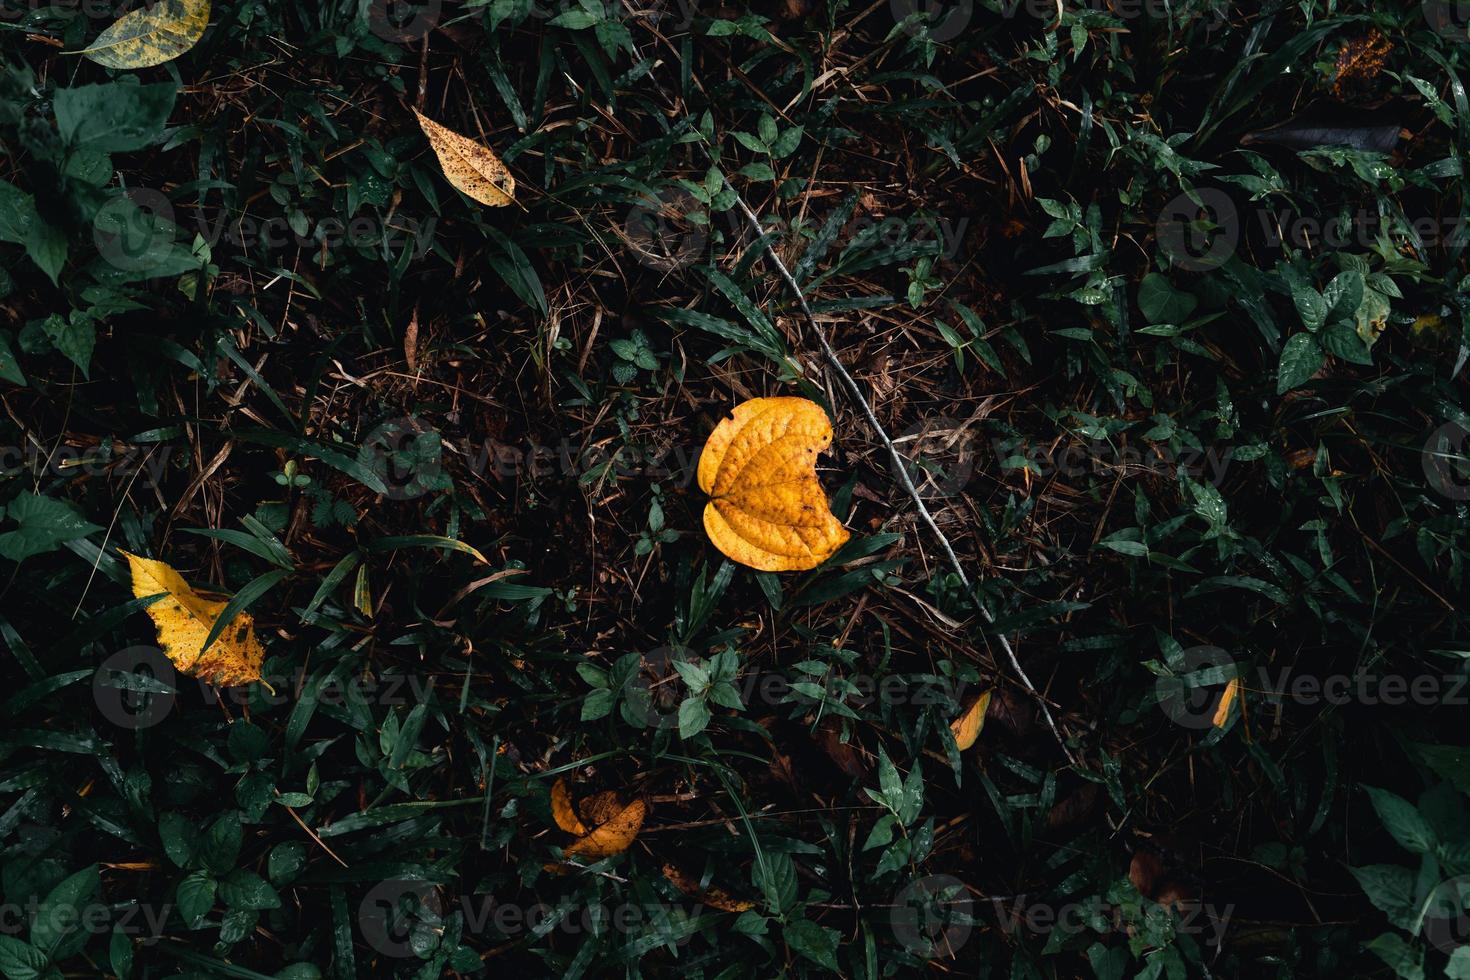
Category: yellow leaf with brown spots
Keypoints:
(469, 166)
(184, 619)
(714, 897)
(151, 34)
(966, 727)
(767, 509)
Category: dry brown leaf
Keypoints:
(469, 166)
(184, 619)
(759, 467)
(967, 726)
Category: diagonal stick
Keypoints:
(899, 467)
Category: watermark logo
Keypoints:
(1448, 18)
(135, 688)
(653, 691)
(401, 21)
(133, 229)
(1446, 459)
(405, 454)
(1190, 694)
(1096, 914)
(667, 231)
(939, 456)
(400, 918)
(939, 20)
(139, 687)
(931, 916)
(1447, 915)
(1199, 230)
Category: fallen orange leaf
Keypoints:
(759, 467)
(561, 809)
(967, 726)
(1222, 713)
(613, 837)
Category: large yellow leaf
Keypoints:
(966, 727)
(184, 619)
(151, 34)
(470, 167)
(759, 467)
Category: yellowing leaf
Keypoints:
(1222, 713)
(967, 726)
(470, 167)
(713, 897)
(561, 809)
(184, 618)
(759, 467)
(151, 34)
(613, 837)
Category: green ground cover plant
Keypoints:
(1161, 305)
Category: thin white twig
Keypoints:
(900, 467)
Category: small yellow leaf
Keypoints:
(561, 809)
(967, 726)
(151, 34)
(759, 467)
(1222, 713)
(470, 167)
(184, 618)
(613, 837)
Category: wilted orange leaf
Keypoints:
(967, 726)
(561, 809)
(759, 467)
(613, 837)
(184, 618)
(469, 166)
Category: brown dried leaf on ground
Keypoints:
(469, 166)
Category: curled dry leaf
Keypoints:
(967, 726)
(469, 166)
(561, 809)
(150, 34)
(184, 619)
(759, 467)
(716, 898)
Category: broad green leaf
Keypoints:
(1300, 359)
(45, 525)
